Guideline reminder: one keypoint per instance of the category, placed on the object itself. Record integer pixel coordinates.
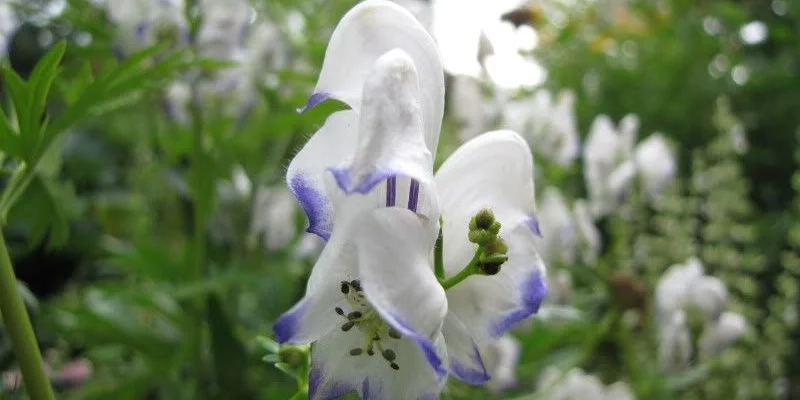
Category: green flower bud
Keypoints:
(480, 237)
(483, 219)
(496, 246)
(495, 227)
(490, 265)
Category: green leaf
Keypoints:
(39, 84)
(18, 91)
(230, 357)
(10, 142)
(40, 210)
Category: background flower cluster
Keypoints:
(157, 240)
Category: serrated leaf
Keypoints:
(39, 84)
(18, 91)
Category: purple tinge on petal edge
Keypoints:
(533, 225)
(286, 326)
(315, 204)
(424, 343)
(344, 181)
(313, 100)
(468, 374)
(372, 390)
(533, 290)
(330, 391)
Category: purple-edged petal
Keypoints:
(334, 372)
(463, 354)
(315, 314)
(365, 33)
(331, 146)
(396, 274)
(494, 170)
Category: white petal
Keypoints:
(559, 234)
(331, 146)
(391, 140)
(502, 357)
(675, 342)
(315, 315)
(396, 274)
(619, 391)
(463, 353)
(590, 236)
(723, 333)
(366, 32)
(709, 294)
(657, 164)
(494, 170)
(334, 372)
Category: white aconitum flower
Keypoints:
(559, 233)
(559, 287)
(719, 335)
(656, 164)
(143, 23)
(224, 28)
(380, 322)
(588, 234)
(422, 10)
(501, 358)
(608, 165)
(273, 217)
(675, 342)
(309, 247)
(709, 295)
(577, 384)
(8, 25)
(672, 289)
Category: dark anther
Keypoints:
(348, 325)
(394, 366)
(393, 333)
(339, 310)
(376, 337)
(370, 351)
(356, 352)
(389, 355)
(345, 287)
(490, 268)
(354, 315)
(356, 285)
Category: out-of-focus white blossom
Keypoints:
(549, 126)
(577, 384)
(656, 164)
(224, 28)
(273, 217)
(8, 25)
(143, 23)
(501, 358)
(588, 234)
(727, 329)
(309, 247)
(608, 166)
(675, 342)
(559, 287)
(709, 295)
(559, 239)
(470, 108)
(686, 287)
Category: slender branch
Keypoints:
(20, 331)
(469, 270)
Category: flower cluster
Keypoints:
(420, 270)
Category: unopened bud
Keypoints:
(483, 219)
(480, 237)
(490, 264)
(496, 246)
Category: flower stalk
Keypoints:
(20, 331)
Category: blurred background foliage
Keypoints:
(136, 246)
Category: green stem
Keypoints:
(438, 256)
(469, 270)
(20, 331)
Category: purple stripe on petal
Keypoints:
(413, 195)
(533, 290)
(468, 374)
(424, 343)
(287, 324)
(533, 225)
(330, 391)
(391, 191)
(313, 100)
(315, 204)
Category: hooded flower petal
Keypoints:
(494, 170)
(329, 147)
(656, 163)
(503, 356)
(397, 277)
(335, 373)
(391, 139)
(364, 34)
